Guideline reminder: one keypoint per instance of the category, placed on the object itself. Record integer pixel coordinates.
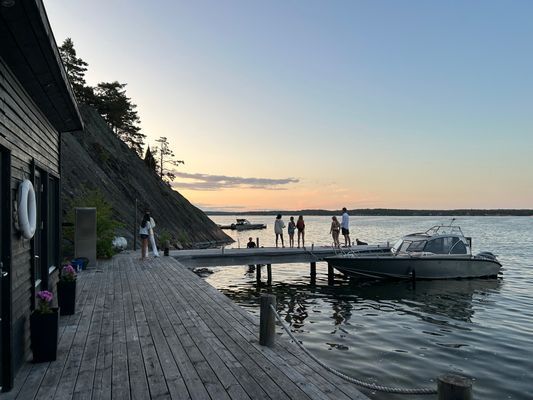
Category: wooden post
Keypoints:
(269, 274)
(267, 320)
(454, 387)
(313, 272)
(258, 273)
(330, 274)
(257, 242)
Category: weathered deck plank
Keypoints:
(154, 330)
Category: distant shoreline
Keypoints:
(390, 212)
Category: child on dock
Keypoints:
(290, 230)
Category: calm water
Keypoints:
(397, 334)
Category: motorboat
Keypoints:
(243, 224)
(441, 252)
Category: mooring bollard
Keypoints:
(267, 320)
(454, 387)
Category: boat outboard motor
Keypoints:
(486, 254)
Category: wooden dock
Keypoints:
(155, 330)
(262, 255)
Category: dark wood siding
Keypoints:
(32, 140)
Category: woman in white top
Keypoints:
(144, 232)
(278, 229)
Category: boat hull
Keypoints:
(394, 267)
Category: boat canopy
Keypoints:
(436, 240)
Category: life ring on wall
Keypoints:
(27, 209)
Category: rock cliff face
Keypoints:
(97, 159)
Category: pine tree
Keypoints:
(120, 113)
(149, 160)
(76, 68)
(166, 157)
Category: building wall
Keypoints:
(33, 143)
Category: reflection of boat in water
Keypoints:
(243, 225)
(442, 252)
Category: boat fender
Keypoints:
(27, 209)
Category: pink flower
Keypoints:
(45, 296)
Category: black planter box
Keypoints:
(66, 297)
(43, 331)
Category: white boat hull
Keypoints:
(406, 267)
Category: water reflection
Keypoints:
(432, 301)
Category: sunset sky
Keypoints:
(324, 104)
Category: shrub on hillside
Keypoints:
(106, 225)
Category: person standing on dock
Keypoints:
(335, 230)
(152, 235)
(345, 227)
(250, 244)
(300, 225)
(290, 230)
(144, 232)
(279, 225)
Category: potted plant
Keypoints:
(44, 325)
(66, 290)
(164, 241)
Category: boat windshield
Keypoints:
(446, 245)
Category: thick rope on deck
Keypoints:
(358, 382)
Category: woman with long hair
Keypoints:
(335, 230)
(300, 225)
(279, 225)
(144, 232)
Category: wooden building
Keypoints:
(36, 106)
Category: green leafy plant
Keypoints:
(164, 237)
(106, 225)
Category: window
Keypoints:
(417, 246)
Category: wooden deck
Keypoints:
(155, 330)
(263, 255)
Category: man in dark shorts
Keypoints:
(345, 227)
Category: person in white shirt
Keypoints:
(152, 237)
(279, 225)
(345, 227)
(144, 232)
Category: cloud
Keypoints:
(218, 182)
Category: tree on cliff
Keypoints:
(120, 113)
(149, 160)
(109, 98)
(165, 157)
(76, 68)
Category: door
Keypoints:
(6, 364)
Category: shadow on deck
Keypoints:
(155, 330)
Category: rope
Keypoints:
(368, 385)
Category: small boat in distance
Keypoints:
(243, 225)
(442, 252)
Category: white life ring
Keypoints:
(27, 209)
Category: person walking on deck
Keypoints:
(279, 225)
(290, 230)
(300, 225)
(345, 227)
